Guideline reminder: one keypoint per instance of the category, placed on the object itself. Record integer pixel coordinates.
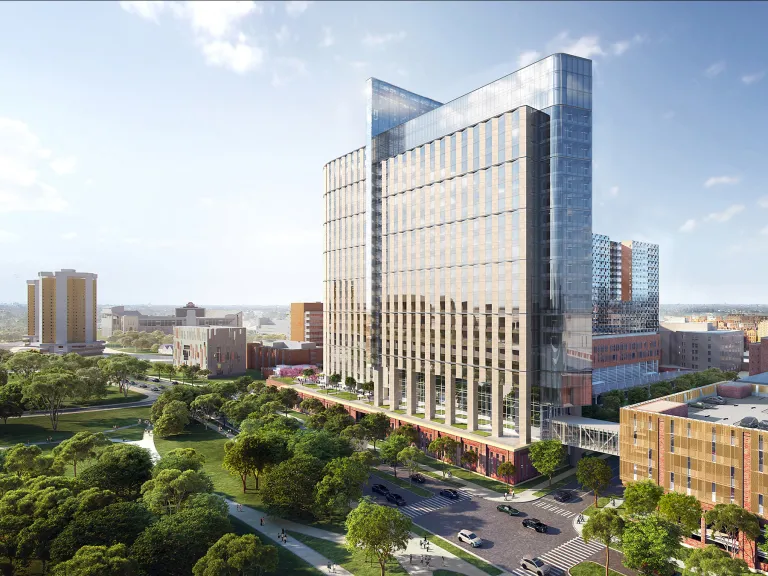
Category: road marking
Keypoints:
(544, 505)
(430, 505)
(567, 555)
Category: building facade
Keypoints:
(307, 322)
(698, 346)
(222, 350)
(265, 357)
(621, 361)
(758, 357)
(117, 318)
(61, 313)
(458, 250)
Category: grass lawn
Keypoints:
(555, 486)
(129, 434)
(355, 562)
(114, 396)
(285, 379)
(539, 479)
(591, 569)
(299, 415)
(456, 551)
(406, 484)
(602, 501)
(439, 476)
(288, 562)
(211, 445)
(469, 476)
(38, 428)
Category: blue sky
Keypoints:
(177, 149)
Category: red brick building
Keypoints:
(261, 357)
(758, 357)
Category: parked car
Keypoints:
(155, 389)
(535, 565)
(396, 499)
(155, 379)
(143, 386)
(418, 478)
(507, 509)
(380, 489)
(748, 422)
(719, 400)
(535, 524)
(700, 405)
(449, 493)
(133, 383)
(470, 538)
(763, 424)
(174, 382)
(563, 495)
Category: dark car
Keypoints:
(418, 478)
(763, 424)
(449, 493)
(719, 400)
(507, 509)
(535, 524)
(143, 386)
(380, 489)
(563, 495)
(155, 379)
(174, 382)
(748, 422)
(396, 499)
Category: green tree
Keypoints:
(594, 474)
(637, 395)
(81, 447)
(249, 455)
(289, 487)
(380, 531)
(642, 497)
(731, 519)
(25, 364)
(308, 373)
(335, 379)
(649, 543)
(288, 398)
(207, 405)
(3, 375)
(469, 458)
(444, 447)
(169, 490)
(121, 468)
(407, 431)
(356, 434)
(312, 405)
(685, 511)
(412, 458)
(204, 373)
(390, 450)
(92, 383)
(11, 401)
(377, 424)
(321, 445)
(713, 561)
(336, 423)
(175, 417)
(547, 456)
(49, 389)
(506, 470)
(118, 369)
(350, 382)
(342, 483)
(180, 459)
(234, 555)
(604, 525)
(29, 461)
(98, 561)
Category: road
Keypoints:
(148, 401)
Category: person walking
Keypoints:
(329, 567)
(261, 521)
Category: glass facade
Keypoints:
(470, 271)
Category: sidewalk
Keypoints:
(580, 527)
(411, 560)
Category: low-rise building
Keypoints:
(698, 346)
(621, 361)
(307, 322)
(266, 357)
(117, 318)
(222, 350)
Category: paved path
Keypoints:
(148, 443)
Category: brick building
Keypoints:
(263, 357)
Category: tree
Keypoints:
(121, 468)
(685, 511)
(407, 431)
(50, 388)
(506, 470)
(336, 423)
(411, 457)
(175, 417)
(642, 497)
(713, 561)
(356, 434)
(25, 364)
(390, 450)
(604, 525)
(595, 475)
(81, 447)
(377, 424)
(98, 561)
(28, 461)
(248, 454)
(308, 372)
(92, 383)
(444, 447)
(11, 401)
(649, 543)
(350, 382)
(731, 519)
(380, 531)
(547, 456)
(312, 406)
(180, 459)
(334, 379)
(637, 395)
(204, 373)
(289, 487)
(207, 405)
(117, 369)
(469, 458)
(233, 555)
(288, 398)
(168, 491)
(321, 445)
(342, 483)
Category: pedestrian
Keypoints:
(443, 559)
(429, 559)
(410, 558)
(505, 496)
(329, 567)
(422, 559)
(421, 543)
(261, 521)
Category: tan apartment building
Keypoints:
(307, 322)
(222, 350)
(61, 313)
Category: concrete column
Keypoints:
(497, 405)
(450, 399)
(411, 400)
(429, 392)
(472, 376)
(378, 387)
(394, 388)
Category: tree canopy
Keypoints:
(547, 456)
(380, 531)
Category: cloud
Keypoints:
(585, 47)
(358, 64)
(764, 231)
(668, 115)
(64, 165)
(688, 226)
(240, 57)
(69, 236)
(726, 214)
(618, 48)
(715, 69)
(328, 38)
(21, 157)
(718, 180)
(296, 7)
(763, 202)
(752, 78)
(287, 70)
(8, 237)
(379, 40)
(147, 10)
(283, 35)
(528, 57)
(614, 191)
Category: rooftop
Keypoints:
(734, 411)
(761, 379)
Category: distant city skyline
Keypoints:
(182, 158)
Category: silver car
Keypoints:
(536, 566)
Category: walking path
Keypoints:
(148, 443)
(579, 526)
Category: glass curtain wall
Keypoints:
(484, 405)
(439, 396)
(461, 400)
(420, 393)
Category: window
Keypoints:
(714, 492)
(760, 454)
(733, 484)
(650, 463)
(688, 483)
(689, 429)
(671, 480)
(760, 504)
(650, 423)
(733, 438)
(634, 471)
(714, 446)
(672, 436)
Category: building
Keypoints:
(218, 349)
(61, 313)
(758, 357)
(307, 322)
(702, 452)
(117, 318)
(288, 353)
(698, 346)
(621, 361)
(458, 251)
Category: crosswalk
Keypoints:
(554, 508)
(566, 556)
(432, 504)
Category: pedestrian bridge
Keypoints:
(587, 433)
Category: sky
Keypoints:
(176, 148)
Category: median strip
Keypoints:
(402, 483)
